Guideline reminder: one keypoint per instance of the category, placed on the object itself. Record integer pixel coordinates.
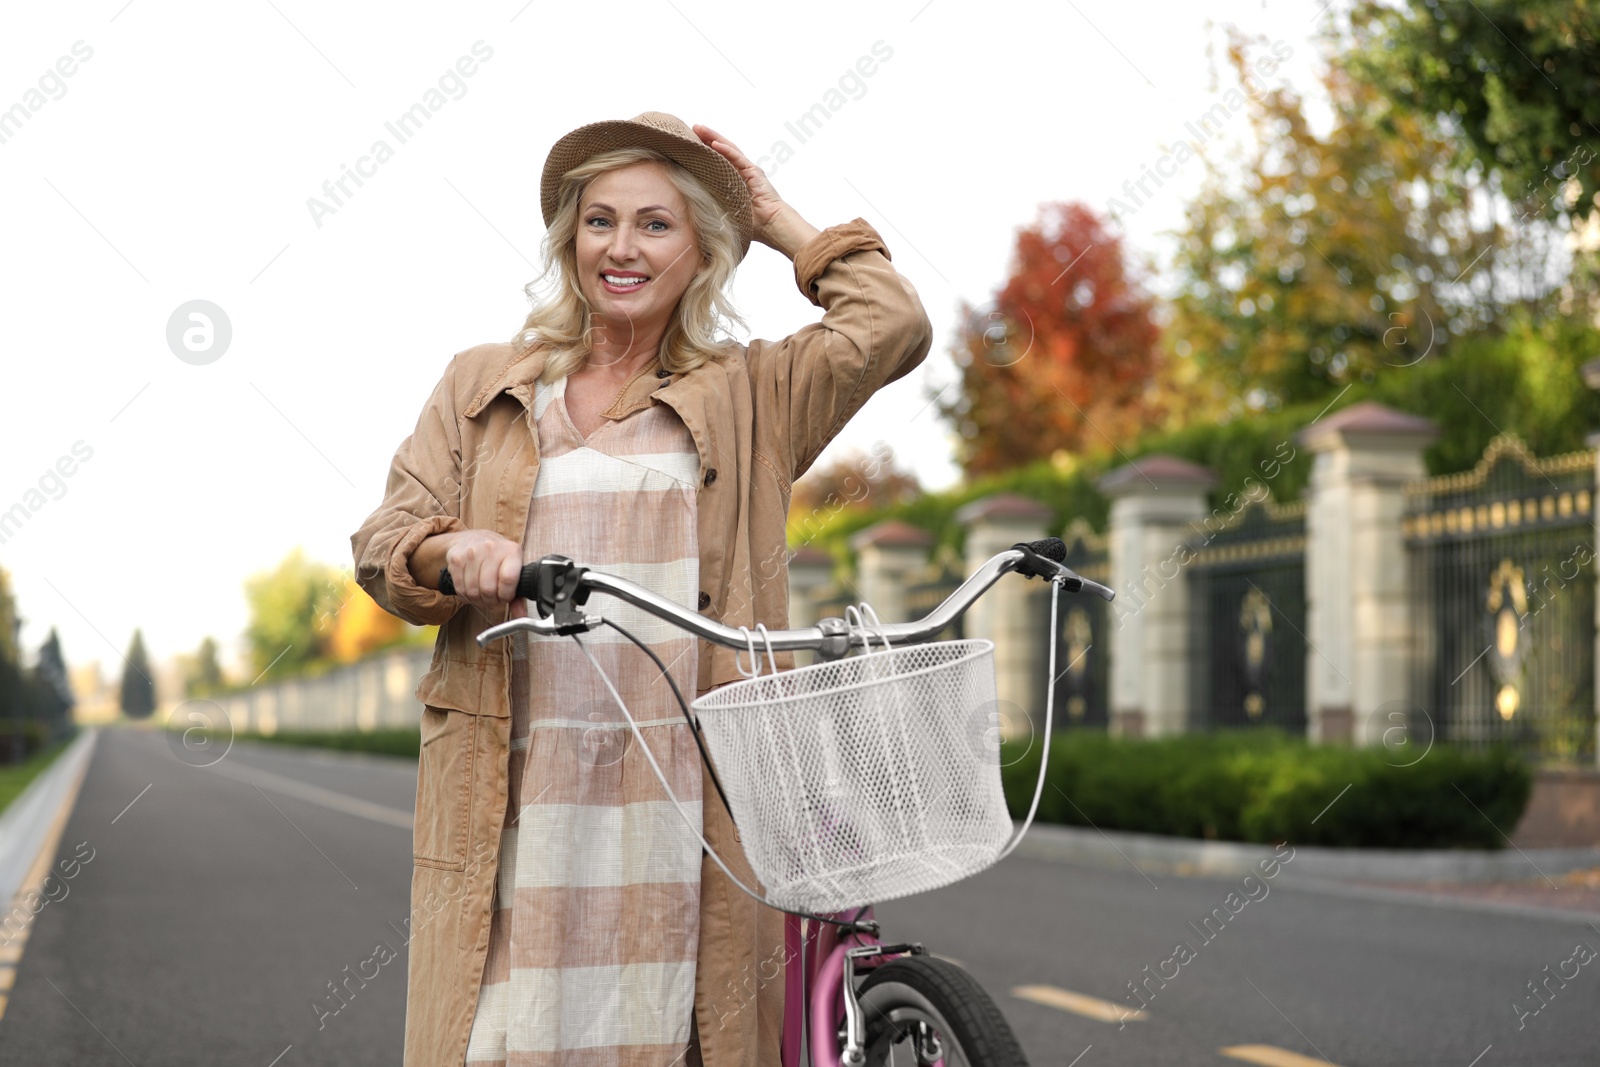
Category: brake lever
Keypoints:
(1077, 583)
(1042, 559)
(554, 585)
(542, 626)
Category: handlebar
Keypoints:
(559, 587)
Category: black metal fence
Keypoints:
(922, 595)
(1501, 560)
(1083, 653)
(1500, 569)
(1247, 597)
(925, 595)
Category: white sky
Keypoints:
(177, 164)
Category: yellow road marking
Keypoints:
(1272, 1056)
(1105, 1011)
(8, 977)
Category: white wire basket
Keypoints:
(865, 779)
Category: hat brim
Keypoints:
(708, 165)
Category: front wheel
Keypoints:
(921, 1010)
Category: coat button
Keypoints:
(662, 372)
(705, 600)
(711, 475)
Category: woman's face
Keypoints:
(636, 251)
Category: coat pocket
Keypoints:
(445, 770)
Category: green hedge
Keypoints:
(1525, 378)
(396, 742)
(18, 776)
(1264, 786)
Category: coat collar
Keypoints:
(516, 377)
(520, 373)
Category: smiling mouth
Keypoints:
(616, 283)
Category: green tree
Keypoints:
(9, 623)
(55, 700)
(52, 669)
(1305, 273)
(1524, 378)
(292, 612)
(204, 673)
(1517, 79)
(138, 698)
(13, 684)
(15, 706)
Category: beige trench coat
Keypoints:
(759, 417)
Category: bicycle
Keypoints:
(850, 999)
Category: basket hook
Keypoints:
(755, 657)
(870, 613)
(772, 658)
(860, 622)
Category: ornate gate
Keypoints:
(939, 581)
(1083, 657)
(1502, 588)
(1247, 593)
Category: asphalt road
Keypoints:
(1355, 980)
(215, 910)
(220, 902)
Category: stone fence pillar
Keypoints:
(1591, 378)
(1154, 502)
(1008, 613)
(810, 572)
(888, 555)
(1358, 605)
(810, 582)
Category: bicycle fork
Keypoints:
(837, 980)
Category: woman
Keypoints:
(561, 911)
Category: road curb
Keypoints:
(1233, 859)
(30, 819)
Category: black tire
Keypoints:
(898, 995)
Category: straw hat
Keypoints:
(670, 136)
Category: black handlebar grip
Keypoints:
(527, 584)
(1051, 548)
(1041, 558)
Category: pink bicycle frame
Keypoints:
(819, 985)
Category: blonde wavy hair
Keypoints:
(561, 316)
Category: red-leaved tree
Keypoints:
(1063, 357)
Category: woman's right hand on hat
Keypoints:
(777, 224)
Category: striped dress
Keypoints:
(593, 938)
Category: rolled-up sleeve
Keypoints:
(874, 330)
(422, 498)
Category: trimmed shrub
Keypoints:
(18, 776)
(1264, 786)
(393, 742)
